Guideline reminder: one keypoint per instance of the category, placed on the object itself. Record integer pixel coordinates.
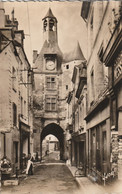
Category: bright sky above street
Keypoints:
(71, 27)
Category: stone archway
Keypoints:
(57, 131)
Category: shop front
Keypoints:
(79, 150)
(24, 144)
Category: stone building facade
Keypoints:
(76, 102)
(16, 121)
(103, 21)
(48, 110)
(52, 75)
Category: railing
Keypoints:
(104, 178)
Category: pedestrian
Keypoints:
(29, 169)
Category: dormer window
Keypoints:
(51, 24)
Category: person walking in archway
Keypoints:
(29, 169)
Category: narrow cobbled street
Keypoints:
(50, 177)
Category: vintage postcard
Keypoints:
(60, 97)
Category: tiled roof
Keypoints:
(49, 47)
(76, 54)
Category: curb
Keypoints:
(81, 186)
(76, 179)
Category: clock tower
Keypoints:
(48, 114)
(48, 73)
(50, 56)
(52, 81)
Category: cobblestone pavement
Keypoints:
(52, 176)
(48, 178)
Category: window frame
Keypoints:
(14, 114)
(67, 66)
(67, 87)
(50, 101)
(50, 84)
(104, 144)
(14, 80)
(92, 85)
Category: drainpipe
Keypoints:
(4, 145)
(21, 149)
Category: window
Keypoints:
(24, 108)
(14, 79)
(93, 143)
(34, 131)
(22, 105)
(14, 114)
(50, 82)
(51, 24)
(51, 103)
(113, 112)
(92, 85)
(104, 146)
(67, 66)
(45, 25)
(66, 87)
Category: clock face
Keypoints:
(50, 65)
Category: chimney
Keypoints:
(2, 16)
(35, 55)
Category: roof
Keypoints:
(76, 54)
(15, 45)
(49, 47)
(49, 14)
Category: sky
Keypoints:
(71, 26)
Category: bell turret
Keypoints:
(50, 27)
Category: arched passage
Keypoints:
(58, 132)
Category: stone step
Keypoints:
(11, 182)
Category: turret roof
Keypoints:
(76, 54)
(49, 14)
